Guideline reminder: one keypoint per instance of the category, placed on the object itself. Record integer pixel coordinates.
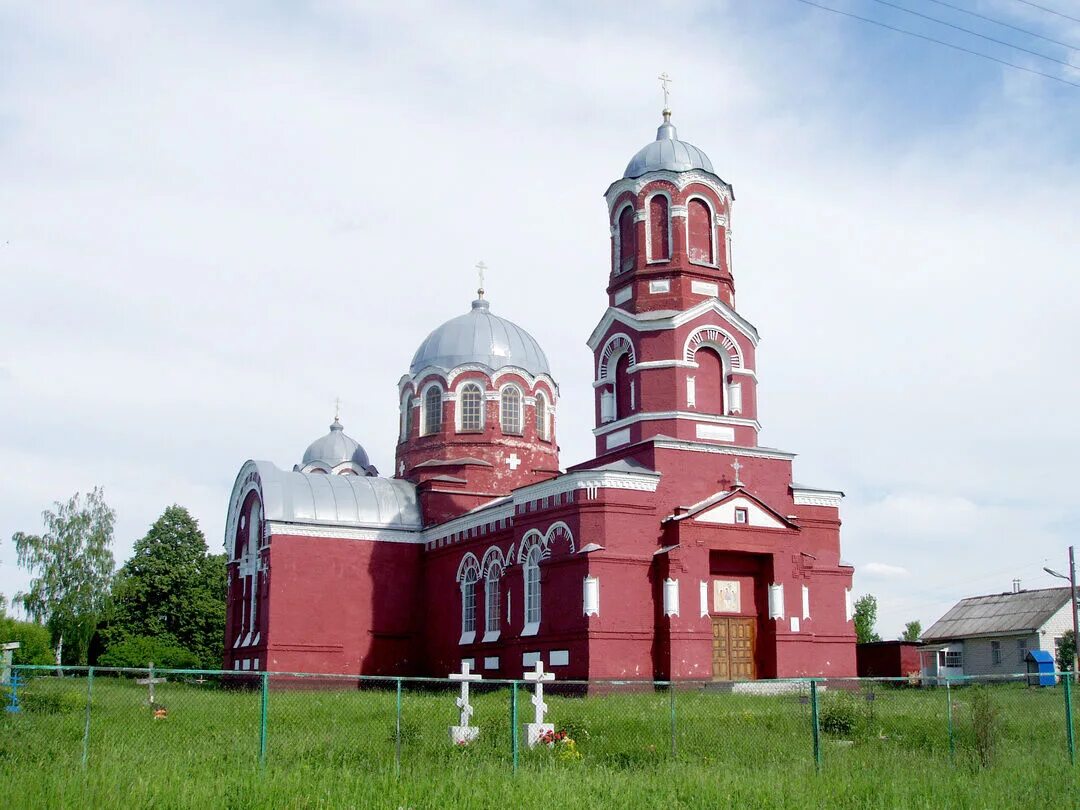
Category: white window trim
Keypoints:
(521, 410)
(405, 428)
(712, 230)
(544, 424)
(531, 628)
(649, 258)
(459, 396)
(617, 263)
(424, 409)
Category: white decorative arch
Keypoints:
(616, 345)
(493, 556)
(468, 564)
(557, 531)
(717, 338)
(532, 538)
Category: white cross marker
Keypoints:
(463, 702)
(150, 681)
(401, 469)
(513, 462)
(539, 676)
(737, 466)
(665, 80)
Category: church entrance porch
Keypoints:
(733, 648)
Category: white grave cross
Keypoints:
(538, 727)
(464, 733)
(150, 682)
(513, 462)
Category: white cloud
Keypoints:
(879, 570)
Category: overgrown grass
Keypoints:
(339, 748)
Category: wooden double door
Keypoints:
(733, 647)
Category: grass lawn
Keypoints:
(880, 747)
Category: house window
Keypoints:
(1022, 649)
(468, 606)
(742, 515)
(492, 603)
(510, 410)
(472, 407)
(432, 410)
(541, 417)
(954, 658)
(995, 653)
(532, 591)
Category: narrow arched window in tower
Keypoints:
(627, 242)
(432, 410)
(531, 572)
(492, 601)
(468, 603)
(709, 382)
(471, 407)
(624, 398)
(406, 416)
(541, 417)
(659, 229)
(700, 232)
(510, 410)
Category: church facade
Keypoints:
(683, 550)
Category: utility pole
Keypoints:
(1072, 597)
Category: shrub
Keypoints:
(839, 713)
(33, 637)
(138, 651)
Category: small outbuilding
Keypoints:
(887, 659)
(1040, 667)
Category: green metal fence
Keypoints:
(203, 719)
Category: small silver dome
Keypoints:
(668, 153)
(334, 448)
(480, 337)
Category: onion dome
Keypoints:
(336, 448)
(668, 153)
(478, 337)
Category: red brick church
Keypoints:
(682, 550)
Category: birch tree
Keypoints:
(71, 565)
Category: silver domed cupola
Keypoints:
(481, 338)
(336, 452)
(667, 153)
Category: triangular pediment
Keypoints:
(737, 508)
(669, 319)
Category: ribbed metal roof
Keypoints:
(336, 447)
(348, 500)
(480, 337)
(998, 614)
(668, 153)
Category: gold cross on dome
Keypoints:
(665, 80)
(480, 268)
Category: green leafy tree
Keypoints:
(71, 565)
(865, 619)
(138, 651)
(1065, 651)
(171, 590)
(34, 641)
(912, 631)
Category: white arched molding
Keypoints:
(493, 556)
(680, 180)
(512, 386)
(491, 568)
(556, 532)
(459, 394)
(713, 259)
(406, 415)
(617, 256)
(424, 393)
(649, 258)
(616, 346)
(715, 337)
(468, 565)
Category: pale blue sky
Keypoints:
(216, 218)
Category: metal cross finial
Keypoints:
(480, 268)
(665, 80)
(737, 466)
(337, 408)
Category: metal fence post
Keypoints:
(952, 733)
(86, 724)
(1069, 734)
(264, 711)
(671, 701)
(397, 733)
(814, 722)
(514, 724)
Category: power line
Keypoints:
(973, 33)
(1005, 24)
(939, 42)
(1048, 10)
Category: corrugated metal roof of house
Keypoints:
(997, 614)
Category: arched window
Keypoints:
(432, 410)
(709, 382)
(700, 231)
(659, 228)
(468, 605)
(624, 393)
(492, 602)
(532, 591)
(541, 417)
(406, 416)
(471, 407)
(627, 242)
(510, 409)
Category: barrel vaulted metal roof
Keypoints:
(668, 153)
(346, 500)
(480, 337)
(998, 614)
(336, 447)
